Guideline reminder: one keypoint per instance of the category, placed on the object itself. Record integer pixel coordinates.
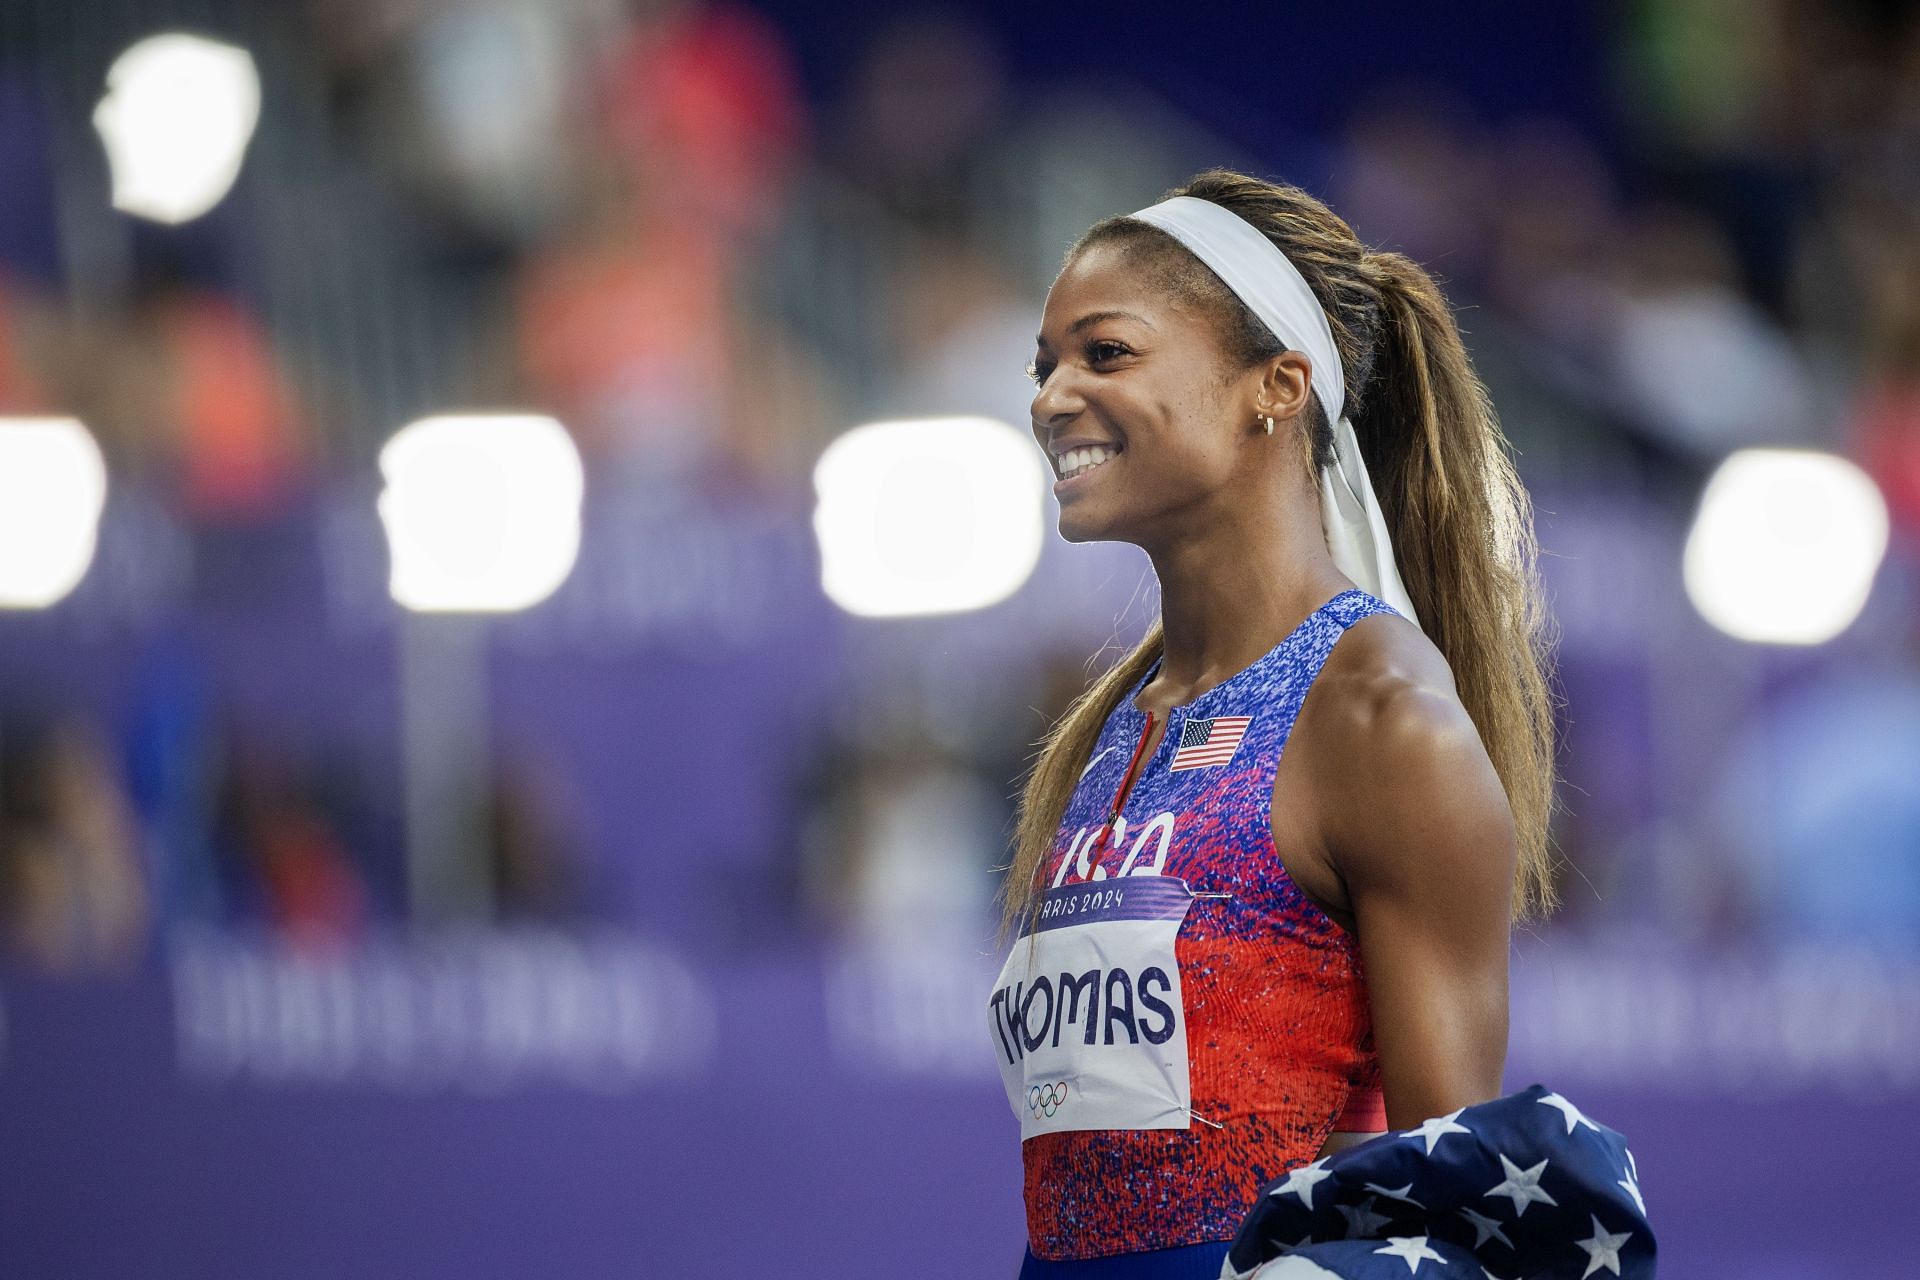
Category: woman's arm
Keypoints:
(1418, 828)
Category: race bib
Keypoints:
(1086, 1015)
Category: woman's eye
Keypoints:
(1096, 352)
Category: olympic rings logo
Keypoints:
(1045, 1099)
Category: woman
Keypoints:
(1231, 964)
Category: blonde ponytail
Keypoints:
(1462, 528)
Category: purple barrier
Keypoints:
(523, 1104)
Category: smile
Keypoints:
(1077, 462)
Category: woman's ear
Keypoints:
(1286, 382)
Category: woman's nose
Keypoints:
(1056, 401)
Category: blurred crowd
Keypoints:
(638, 217)
(1738, 265)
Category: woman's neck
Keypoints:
(1232, 589)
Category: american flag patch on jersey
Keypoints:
(1207, 743)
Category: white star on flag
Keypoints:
(1484, 1228)
(1302, 1181)
(1282, 1268)
(1603, 1248)
(1363, 1221)
(1571, 1112)
(1523, 1185)
(1632, 1183)
(1437, 1128)
(1392, 1194)
(1412, 1249)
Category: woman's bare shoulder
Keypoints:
(1381, 659)
(1397, 762)
(1385, 701)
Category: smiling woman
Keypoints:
(1263, 880)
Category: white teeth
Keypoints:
(1075, 461)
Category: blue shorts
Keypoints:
(1191, 1262)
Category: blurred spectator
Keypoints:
(1555, 229)
(1702, 364)
(183, 386)
(903, 852)
(1889, 445)
(1695, 70)
(1887, 419)
(238, 435)
(781, 407)
(921, 123)
(534, 873)
(1414, 177)
(1819, 813)
(626, 321)
(966, 333)
(488, 89)
(703, 106)
(21, 315)
(622, 328)
(281, 851)
(72, 897)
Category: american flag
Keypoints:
(1522, 1186)
(1206, 743)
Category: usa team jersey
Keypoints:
(1178, 1025)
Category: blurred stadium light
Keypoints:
(929, 515)
(482, 511)
(53, 484)
(1785, 545)
(176, 119)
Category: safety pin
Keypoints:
(1211, 895)
(1203, 1120)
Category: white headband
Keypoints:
(1254, 268)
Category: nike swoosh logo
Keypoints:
(1096, 760)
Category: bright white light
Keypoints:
(53, 484)
(176, 119)
(482, 511)
(1785, 546)
(934, 515)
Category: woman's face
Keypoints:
(1133, 409)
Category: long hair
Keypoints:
(1460, 521)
